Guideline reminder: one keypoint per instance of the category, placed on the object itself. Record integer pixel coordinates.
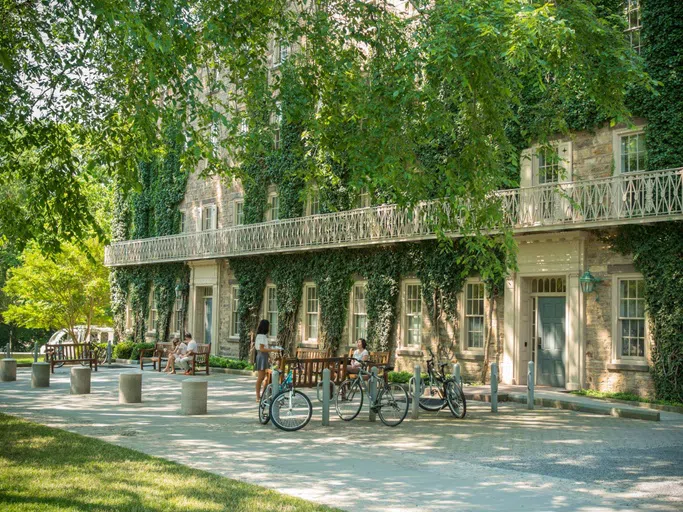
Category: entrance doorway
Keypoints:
(550, 342)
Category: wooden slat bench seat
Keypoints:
(312, 353)
(159, 354)
(309, 371)
(200, 361)
(71, 353)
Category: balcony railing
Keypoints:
(623, 199)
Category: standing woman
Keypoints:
(262, 351)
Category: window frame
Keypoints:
(352, 312)
(267, 311)
(213, 218)
(235, 213)
(616, 322)
(630, 30)
(616, 148)
(464, 327)
(313, 198)
(306, 325)
(153, 316)
(278, 58)
(182, 227)
(405, 321)
(235, 323)
(270, 208)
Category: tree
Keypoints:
(411, 107)
(69, 289)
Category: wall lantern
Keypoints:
(588, 282)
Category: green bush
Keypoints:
(402, 377)
(135, 354)
(233, 364)
(123, 350)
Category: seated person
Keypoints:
(185, 359)
(178, 349)
(360, 353)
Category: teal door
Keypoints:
(208, 318)
(551, 311)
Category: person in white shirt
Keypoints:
(360, 354)
(184, 359)
(262, 351)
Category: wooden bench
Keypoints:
(375, 359)
(308, 372)
(201, 358)
(71, 353)
(160, 353)
(312, 353)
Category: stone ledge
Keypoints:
(407, 352)
(626, 367)
(470, 357)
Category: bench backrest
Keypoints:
(72, 352)
(308, 372)
(311, 353)
(163, 349)
(379, 358)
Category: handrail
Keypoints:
(625, 198)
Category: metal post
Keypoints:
(530, 386)
(494, 387)
(109, 352)
(372, 387)
(326, 397)
(276, 383)
(456, 374)
(7, 351)
(35, 352)
(416, 392)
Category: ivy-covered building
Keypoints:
(326, 264)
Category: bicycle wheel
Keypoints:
(264, 405)
(349, 400)
(392, 405)
(456, 399)
(291, 410)
(319, 391)
(431, 398)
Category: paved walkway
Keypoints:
(546, 459)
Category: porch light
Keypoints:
(588, 282)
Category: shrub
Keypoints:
(123, 350)
(234, 364)
(135, 354)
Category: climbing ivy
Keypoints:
(150, 211)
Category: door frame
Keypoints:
(535, 297)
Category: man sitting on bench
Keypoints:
(185, 360)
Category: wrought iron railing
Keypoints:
(622, 199)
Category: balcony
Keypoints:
(624, 199)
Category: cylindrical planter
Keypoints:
(8, 370)
(40, 375)
(130, 388)
(80, 380)
(193, 397)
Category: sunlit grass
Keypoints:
(46, 469)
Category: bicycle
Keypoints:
(296, 405)
(390, 401)
(439, 391)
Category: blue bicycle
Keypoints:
(290, 410)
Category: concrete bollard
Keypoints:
(456, 374)
(275, 380)
(130, 388)
(8, 370)
(36, 352)
(80, 380)
(494, 387)
(40, 375)
(193, 397)
(326, 397)
(530, 386)
(417, 376)
(372, 391)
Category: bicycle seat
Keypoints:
(441, 365)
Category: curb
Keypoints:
(230, 371)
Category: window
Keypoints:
(548, 285)
(209, 217)
(313, 207)
(276, 139)
(474, 315)
(153, 311)
(183, 222)
(312, 313)
(631, 318)
(273, 210)
(243, 127)
(359, 327)
(413, 314)
(129, 315)
(277, 116)
(239, 213)
(281, 53)
(271, 310)
(178, 315)
(633, 157)
(632, 12)
(364, 198)
(234, 312)
(548, 167)
(214, 138)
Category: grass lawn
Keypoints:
(46, 469)
(622, 396)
